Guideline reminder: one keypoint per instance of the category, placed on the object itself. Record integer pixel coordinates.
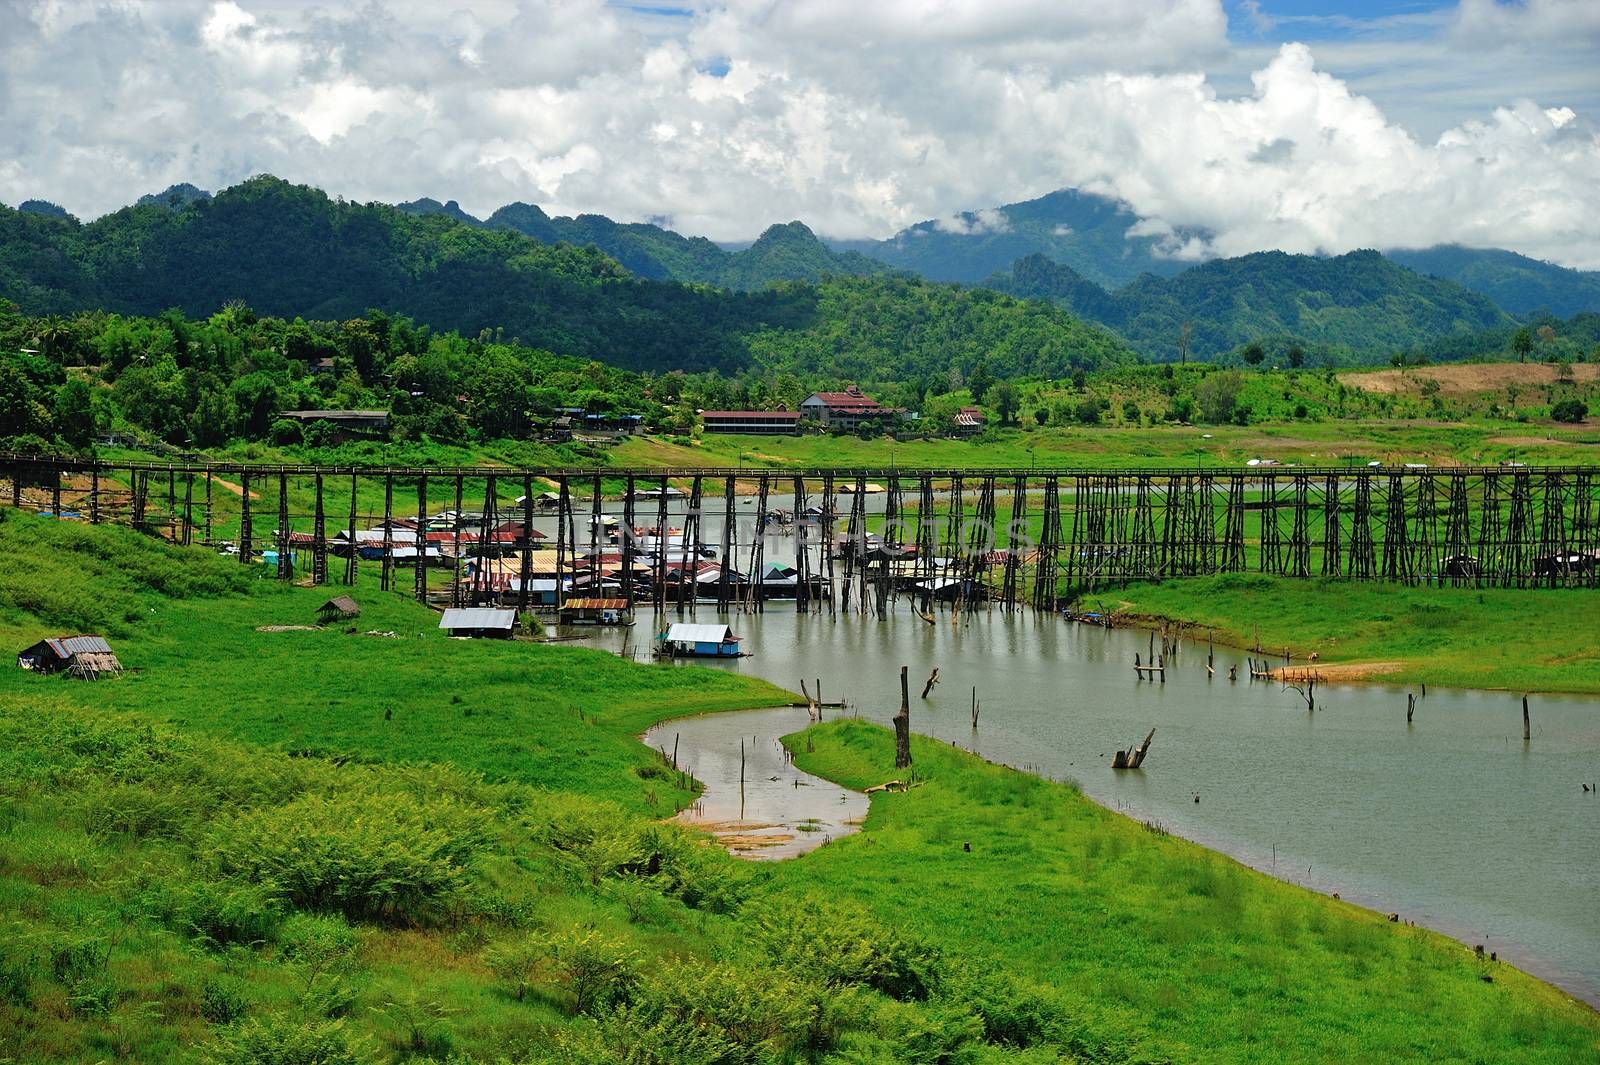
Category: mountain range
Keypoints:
(586, 284)
(292, 251)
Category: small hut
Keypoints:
(479, 622)
(339, 608)
(689, 640)
(84, 657)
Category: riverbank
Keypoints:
(1148, 931)
(381, 847)
(1525, 639)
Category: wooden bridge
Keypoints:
(1007, 536)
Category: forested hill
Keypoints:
(291, 251)
(1519, 284)
(783, 253)
(1360, 306)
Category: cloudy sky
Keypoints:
(1295, 124)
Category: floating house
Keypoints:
(596, 611)
(689, 640)
(84, 657)
(479, 623)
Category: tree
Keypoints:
(75, 413)
(1254, 353)
(1042, 416)
(1522, 343)
(1005, 401)
(1088, 411)
(1297, 356)
(980, 382)
(1217, 394)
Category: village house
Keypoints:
(847, 410)
(752, 422)
(970, 421)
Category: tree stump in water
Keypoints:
(902, 723)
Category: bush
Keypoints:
(1570, 411)
(218, 914)
(284, 1041)
(223, 1000)
(598, 970)
(843, 945)
(719, 1015)
(391, 858)
(286, 432)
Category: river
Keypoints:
(1451, 821)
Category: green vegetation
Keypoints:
(1516, 639)
(1519, 284)
(331, 846)
(288, 250)
(1141, 929)
(1349, 309)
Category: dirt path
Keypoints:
(1465, 378)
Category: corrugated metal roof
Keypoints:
(67, 646)
(595, 604)
(478, 618)
(686, 632)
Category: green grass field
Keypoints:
(287, 848)
(1518, 639)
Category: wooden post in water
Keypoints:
(902, 722)
(1527, 733)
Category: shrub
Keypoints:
(1570, 411)
(223, 1000)
(597, 970)
(285, 1041)
(392, 858)
(719, 1015)
(219, 914)
(843, 945)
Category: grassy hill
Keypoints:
(329, 846)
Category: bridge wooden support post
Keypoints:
(525, 555)
(188, 507)
(353, 563)
(803, 597)
(246, 532)
(1233, 559)
(625, 542)
(285, 544)
(693, 544)
(564, 545)
(386, 570)
(726, 540)
(319, 538)
(1332, 529)
(455, 545)
(1519, 538)
(664, 546)
(927, 540)
(488, 573)
(420, 576)
(828, 547)
(1048, 551)
(55, 491)
(94, 493)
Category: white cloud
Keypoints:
(858, 118)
